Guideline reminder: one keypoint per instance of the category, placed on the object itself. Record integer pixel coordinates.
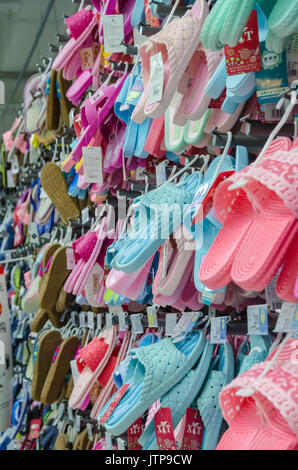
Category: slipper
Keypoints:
(65, 105)
(80, 27)
(61, 359)
(181, 397)
(259, 350)
(239, 89)
(39, 321)
(283, 19)
(151, 373)
(63, 301)
(177, 42)
(155, 138)
(138, 13)
(95, 356)
(76, 91)
(194, 131)
(43, 353)
(285, 287)
(53, 104)
(54, 184)
(220, 375)
(263, 419)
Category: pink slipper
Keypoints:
(268, 418)
(95, 357)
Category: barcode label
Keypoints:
(273, 114)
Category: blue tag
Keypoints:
(272, 80)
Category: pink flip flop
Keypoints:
(95, 357)
(285, 287)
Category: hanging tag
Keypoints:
(73, 318)
(10, 179)
(109, 443)
(70, 414)
(171, 320)
(78, 423)
(187, 322)
(33, 233)
(70, 260)
(89, 430)
(134, 433)
(90, 320)
(138, 38)
(218, 333)
(109, 321)
(85, 215)
(245, 57)
(136, 322)
(272, 80)
(113, 31)
(288, 318)
(292, 57)
(82, 320)
(257, 320)
(165, 250)
(271, 295)
(193, 431)
(164, 429)
(92, 158)
(122, 324)
(161, 174)
(114, 403)
(115, 309)
(43, 194)
(87, 58)
(15, 168)
(152, 317)
(74, 371)
(35, 427)
(120, 444)
(156, 78)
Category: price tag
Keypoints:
(109, 444)
(70, 413)
(171, 321)
(152, 317)
(257, 320)
(78, 423)
(136, 322)
(288, 318)
(156, 78)
(113, 31)
(85, 215)
(218, 333)
(122, 324)
(82, 320)
(120, 444)
(90, 433)
(109, 321)
(87, 58)
(271, 295)
(70, 259)
(73, 318)
(187, 322)
(90, 320)
(161, 174)
(92, 161)
(74, 371)
(98, 322)
(164, 429)
(165, 250)
(33, 233)
(43, 194)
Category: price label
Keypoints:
(161, 174)
(156, 78)
(171, 321)
(113, 31)
(136, 322)
(257, 320)
(109, 321)
(187, 322)
(78, 423)
(82, 320)
(92, 161)
(90, 320)
(152, 317)
(85, 215)
(122, 324)
(288, 318)
(218, 333)
(109, 444)
(73, 318)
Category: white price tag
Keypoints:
(109, 321)
(120, 444)
(82, 320)
(161, 174)
(187, 322)
(122, 325)
(89, 429)
(109, 444)
(90, 320)
(73, 318)
(74, 371)
(257, 320)
(171, 321)
(70, 260)
(10, 179)
(288, 318)
(92, 161)
(33, 233)
(78, 423)
(85, 215)
(43, 194)
(152, 317)
(156, 78)
(271, 295)
(98, 322)
(218, 333)
(113, 32)
(165, 250)
(136, 322)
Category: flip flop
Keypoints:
(194, 131)
(285, 287)
(174, 134)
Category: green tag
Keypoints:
(272, 80)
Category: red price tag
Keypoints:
(114, 403)
(246, 56)
(150, 19)
(35, 427)
(193, 431)
(134, 434)
(164, 429)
